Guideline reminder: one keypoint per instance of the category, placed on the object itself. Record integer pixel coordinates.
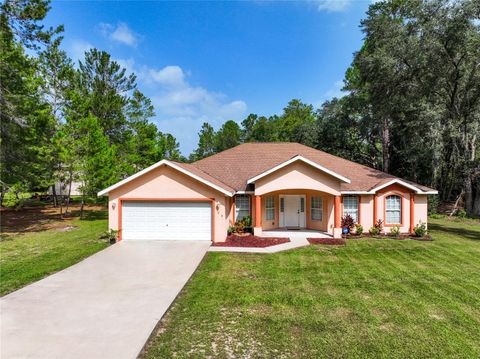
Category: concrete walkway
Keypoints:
(297, 239)
(103, 307)
(294, 243)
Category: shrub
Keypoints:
(239, 226)
(433, 202)
(461, 213)
(358, 229)
(247, 221)
(420, 229)
(230, 230)
(111, 236)
(348, 222)
(395, 231)
(377, 228)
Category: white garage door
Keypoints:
(142, 220)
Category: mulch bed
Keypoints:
(250, 241)
(329, 241)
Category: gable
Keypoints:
(163, 182)
(298, 175)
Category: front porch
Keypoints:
(297, 214)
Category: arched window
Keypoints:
(393, 209)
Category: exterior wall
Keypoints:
(421, 209)
(366, 212)
(297, 175)
(327, 221)
(167, 183)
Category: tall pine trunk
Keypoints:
(386, 144)
(54, 194)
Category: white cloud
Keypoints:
(78, 48)
(332, 5)
(121, 33)
(171, 76)
(182, 107)
(334, 91)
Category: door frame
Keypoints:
(302, 217)
(147, 199)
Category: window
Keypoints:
(282, 204)
(242, 207)
(302, 204)
(316, 210)
(350, 206)
(270, 208)
(393, 210)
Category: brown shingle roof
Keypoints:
(235, 166)
(198, 172)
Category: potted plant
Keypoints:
(347, 224)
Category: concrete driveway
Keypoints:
(103, 307)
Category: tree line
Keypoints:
(61, 122)
(411, 106)
(412, 103)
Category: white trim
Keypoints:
(303, 159)
(355, 192)
(400, 182)
(372, 191)
(156, 165)
(245, 192)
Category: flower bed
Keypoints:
(401, 236)
(329, 241)
(250, 241)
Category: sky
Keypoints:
(216, 61)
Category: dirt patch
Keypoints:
(41, 218)
(250, 241)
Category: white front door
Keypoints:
(292, 211)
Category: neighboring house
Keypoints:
(62, 188)
(281, 185)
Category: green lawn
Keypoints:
(373, 298)
(28, 257)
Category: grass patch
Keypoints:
(371, 298)
(28, 257)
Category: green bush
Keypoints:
(433, 202)
(15, 196)
(461, 213)
(358, 228)
(110, 236)
(395, 231)
(377, 228)
(230, 230)
(420, 229)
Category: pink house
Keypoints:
(280, 185)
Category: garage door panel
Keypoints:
(158, 220)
